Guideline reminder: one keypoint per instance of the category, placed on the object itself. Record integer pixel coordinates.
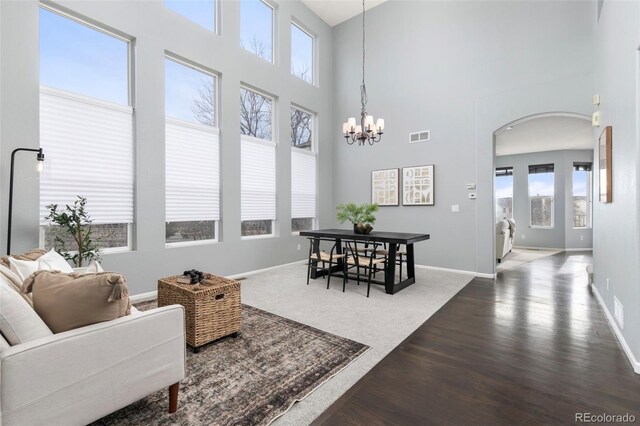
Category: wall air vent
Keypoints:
(418, 137)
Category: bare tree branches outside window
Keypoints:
(204, 106)
(301, 128)
(255, 114)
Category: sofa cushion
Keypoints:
(30, 255)
(14, 282)
(3, 344)
(19, 323)
(68, 301)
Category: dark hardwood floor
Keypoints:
(533, 347)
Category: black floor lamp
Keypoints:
(40, 165)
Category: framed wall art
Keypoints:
(418, 186)
(605, 171)
(385, 187)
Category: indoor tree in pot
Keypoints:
(74, 228)
(361, 216)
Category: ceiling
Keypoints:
(334, 12)
(550, 133)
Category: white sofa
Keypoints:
(504, 238)
(81, 375)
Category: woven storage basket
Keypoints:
(212, 308)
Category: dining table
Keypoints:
(391, 239)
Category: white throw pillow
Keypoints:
(23, 268)
(19, 323)
(53, 261)
(93, 268)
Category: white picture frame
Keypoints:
(385, 187)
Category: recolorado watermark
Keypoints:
(604, 418)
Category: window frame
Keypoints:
(274, 33)
(217, 13)
(314, 58)
(553, 201)
(313, 152)
(131, 90)
(589, 196)
(508, 171)
(273, 142)
(216, 119)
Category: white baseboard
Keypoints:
(616, 330)
(551, 248)
(151, 295)
(458, 271)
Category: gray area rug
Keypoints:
(519, 257)
(248, 380)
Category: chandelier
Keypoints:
(367, 130)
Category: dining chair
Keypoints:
(318, 256)
(360, 259)
(401, 256)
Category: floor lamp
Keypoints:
(40, 166)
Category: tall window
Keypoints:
(541, 193)
(258, 164)
(256, 28)
(582, 195)
(192, 162)
(504, 193)
(86, 127)
(202, 12)
(303, 171)
(301, 53)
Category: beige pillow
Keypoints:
(68, 301)
(30, 255)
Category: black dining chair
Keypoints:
(357, 258)
(319, 257)
(401, 257)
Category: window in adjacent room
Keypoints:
(256, 28)
(302, 44)
(192, 162)
(258, 164)
(504, 193)
(202, 12)
(582, 195)
(541, 193)
(303, 170)
(85, 112)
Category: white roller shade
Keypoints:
(303, 184)
(258, 179)
(192, 172)
(88, 146)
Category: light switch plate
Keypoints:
(595, 119)
(596, 99)
(455, 208)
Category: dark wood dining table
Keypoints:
(392, 239)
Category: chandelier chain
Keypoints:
(364, 99)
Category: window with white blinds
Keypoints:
(303, 170)
(192, 172)
(258, 179)
(89, 149)
(192, 148)
(303, 184)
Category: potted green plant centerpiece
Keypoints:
(74, 229)
(361, 216)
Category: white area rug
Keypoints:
(519, 256)
(382, 321)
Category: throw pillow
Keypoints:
(93, 268)
(68, 301)
(14, 282)
(53, 261)
(23, 268)
(19, 323)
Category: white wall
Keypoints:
(563, 235)
(462, 70)
(616, 228)
(156, 29)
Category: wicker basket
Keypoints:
(212, 308)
